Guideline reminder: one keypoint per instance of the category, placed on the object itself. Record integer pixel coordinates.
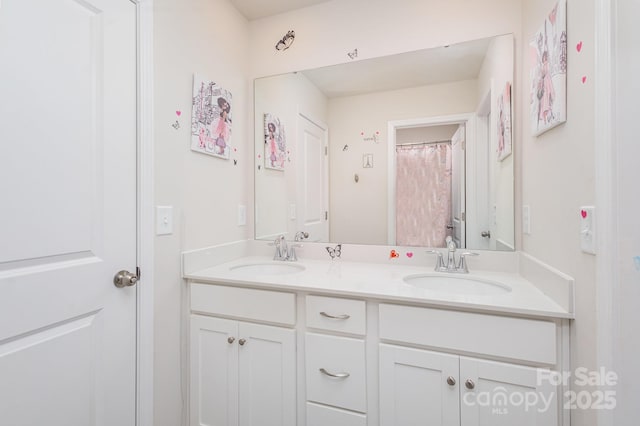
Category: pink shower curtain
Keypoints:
(423, 194)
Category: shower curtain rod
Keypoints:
(422, 143)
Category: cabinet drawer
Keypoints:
(336, 314)
(320, 415)
(247, 303)
(342, 357)
(512, 338)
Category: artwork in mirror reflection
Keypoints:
(440, 169)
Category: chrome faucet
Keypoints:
(284, 251)
(451, 265)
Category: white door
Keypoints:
(214, 371)
(68, 210)
(267, 375)
(418, 387)
(498, 394)
(313, 192)
(458, 195)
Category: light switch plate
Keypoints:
(164, 220)
(588, 239)
(242, 215)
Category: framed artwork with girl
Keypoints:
(211, 118)
(548, 56)
(275, 143)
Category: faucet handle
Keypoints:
(301, 235)
(462, 264)
(439, 261)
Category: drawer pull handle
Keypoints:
(451, 381)
(338, 317)
(335, 376)
(469, 384)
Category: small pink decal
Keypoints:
(584, 79)
(178, 113)
(410, 254)
(584, 214)
(393, 254)
(579, 47)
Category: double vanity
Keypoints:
(368, 340)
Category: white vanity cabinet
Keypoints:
(242, 373)
(419, 386)
(276, 358)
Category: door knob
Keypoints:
(241, 342)
(231, 340)
(125, 279)
(485, 234)
(469, 384)
(451, 381)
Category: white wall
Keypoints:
(558, 175)
(325, 33)
(283, 96)
(626, 291)
(211, 38)
(358, 211)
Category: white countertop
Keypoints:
(385, 282)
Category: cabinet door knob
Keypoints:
(469, 384)
(241, 342)
(451, 381)
(231, 340)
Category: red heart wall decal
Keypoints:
(584, 79)
(410, 254)
(584, 214)
(579, 47)
(178, 113)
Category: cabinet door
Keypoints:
(214, 372)
(505, 395)
(267, 376)
(414, 389)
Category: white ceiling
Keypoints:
(256, 9)
(420, 68)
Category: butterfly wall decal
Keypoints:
(335, 251)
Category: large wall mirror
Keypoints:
(402, 150)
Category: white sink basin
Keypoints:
(455, 284)
(268, 268)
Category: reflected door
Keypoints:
(68, 187)
(312, 185)
(458, 219)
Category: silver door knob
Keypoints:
(241, 342)
(451, 381)
(485, 234)
(469, 384)
(125, 279)
(231, 340)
